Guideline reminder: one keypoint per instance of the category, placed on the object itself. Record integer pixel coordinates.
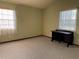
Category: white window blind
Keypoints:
(67, 20)
(7, 19)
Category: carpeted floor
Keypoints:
(37, 48)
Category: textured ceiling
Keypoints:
(34, 3)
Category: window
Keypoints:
(7, 19)
(67, 20)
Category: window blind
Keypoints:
(67, 20)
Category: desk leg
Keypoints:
(68, 44)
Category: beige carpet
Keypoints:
(37, 48)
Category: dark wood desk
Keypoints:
(63, 36)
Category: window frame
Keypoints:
(14, 18)
(67, 19)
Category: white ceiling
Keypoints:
(34, 3)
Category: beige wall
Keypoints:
(28, 21)
(51, 16)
